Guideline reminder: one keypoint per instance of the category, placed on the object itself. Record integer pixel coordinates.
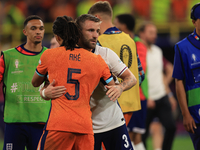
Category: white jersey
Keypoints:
(106, 114)
(155, 73)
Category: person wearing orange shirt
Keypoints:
(107, 117)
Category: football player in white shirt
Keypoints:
(108, 122)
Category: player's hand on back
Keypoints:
(53, 91)
(114, 91)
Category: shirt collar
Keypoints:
(194, 39)
(112, 30)
(23, 50)
(195, 35)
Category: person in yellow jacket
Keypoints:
(124, 46)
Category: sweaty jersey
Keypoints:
(124, 46)
(79, 71)
(106, 114)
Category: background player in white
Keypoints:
(158, 104)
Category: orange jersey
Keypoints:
(79, 71)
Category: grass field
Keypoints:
(180, 143)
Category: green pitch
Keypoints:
(181, 142)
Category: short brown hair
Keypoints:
(142, 27)
(81, 19)
(101, 7)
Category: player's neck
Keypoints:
(198, 32)
(146, 44)
(131, 34)
(33, 47)
(106, 25)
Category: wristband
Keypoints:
(43, 95)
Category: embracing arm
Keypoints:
(188, 121)
(128, 82)
(51, 91)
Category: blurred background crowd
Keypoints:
(171, 18)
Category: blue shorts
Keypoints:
(196, 138)
(138, 119)
(20, 135)
(116, 139)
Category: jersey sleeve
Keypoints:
(41, 69)
(2, 67)
(140, 71)
(106, 75)
(177, 70)
(117, 67)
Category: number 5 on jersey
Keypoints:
(73, 81)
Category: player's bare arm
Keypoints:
(37, 80)
(188, 121)
(128, 82)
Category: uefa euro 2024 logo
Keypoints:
(16, 63)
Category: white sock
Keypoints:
(139, 146)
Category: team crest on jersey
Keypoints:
(119, 61)
(195, 59)
(126, 55)
(40, 62)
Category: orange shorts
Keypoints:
(61, 140)
(127, 117)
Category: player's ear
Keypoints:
(193, 21)
(58, 39)
(98, 16)
(24, 31)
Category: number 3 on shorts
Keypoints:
(124, 137)
(73, 81)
